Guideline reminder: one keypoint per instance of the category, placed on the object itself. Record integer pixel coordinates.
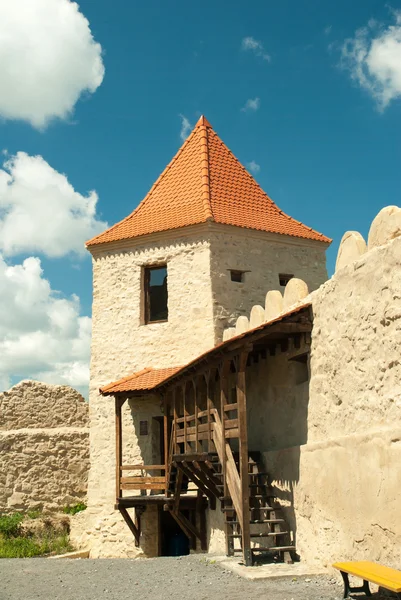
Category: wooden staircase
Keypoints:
(269, 533)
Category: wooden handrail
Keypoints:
(233, 479)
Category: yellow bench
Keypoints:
(369, 571)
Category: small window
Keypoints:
(284, 278)
(237, 276)
(156, 294)
(143, 428)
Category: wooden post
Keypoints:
(119, 448)
(224, 371)
(187, 446)
(194, 382)
(244, 458)
(175, 424)
(209, 401)
(166, 440)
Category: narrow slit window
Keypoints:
(284, 278)
(237, 276)
(156, 294)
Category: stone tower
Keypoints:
(203, 247)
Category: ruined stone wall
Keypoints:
(262, 257)
(44, 447)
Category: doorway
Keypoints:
(173, 541)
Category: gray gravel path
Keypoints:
(191, 577)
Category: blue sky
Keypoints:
(320, 125)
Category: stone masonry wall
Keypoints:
(199, 287)
(121, 345)
(44, 447)
(262, 258)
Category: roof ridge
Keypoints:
(205, 169)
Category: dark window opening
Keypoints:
(284, 278)
(143, 428)
(237, 276)
(156, 294)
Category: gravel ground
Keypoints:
(194, 577)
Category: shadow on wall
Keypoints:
(278, 401)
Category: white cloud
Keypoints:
(251, 105)
(253, 167)
(249, 43)
(42, 335)
(186, 127)
(373, 57)
(327, 30)
(48, 58)
(41, 212)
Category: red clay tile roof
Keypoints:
(147, 379)
(205, 182)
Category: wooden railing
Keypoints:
(193, 429)
(143, 481)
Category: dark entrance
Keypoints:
(173, 541)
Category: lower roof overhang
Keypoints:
(292, 323)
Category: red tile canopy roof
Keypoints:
(145, 380)
(205, 182)
(150, 379)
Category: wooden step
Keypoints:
(266, 508)
(259, 522)
(273, 549)
(259, 535)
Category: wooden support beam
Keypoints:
(186, 525)
(127, 518)
(178, 519)
(166, 441)
(202, 473)
(187, 446)
(200, 511)
(184, 467)
(197, 444)
(224, 391)
(175, 423)
(119, 449)
(177, 491)
(243, 451)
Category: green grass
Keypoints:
(17, 543)
(74, 509)
(27, 547)
(10, 525)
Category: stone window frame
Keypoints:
(145, 303)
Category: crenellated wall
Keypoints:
(333, 445)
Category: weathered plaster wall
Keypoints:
(263, 257)
(342, 485)
(277, 403)
(44, 447)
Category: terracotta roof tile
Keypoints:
(147, 379)
(205, 182)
